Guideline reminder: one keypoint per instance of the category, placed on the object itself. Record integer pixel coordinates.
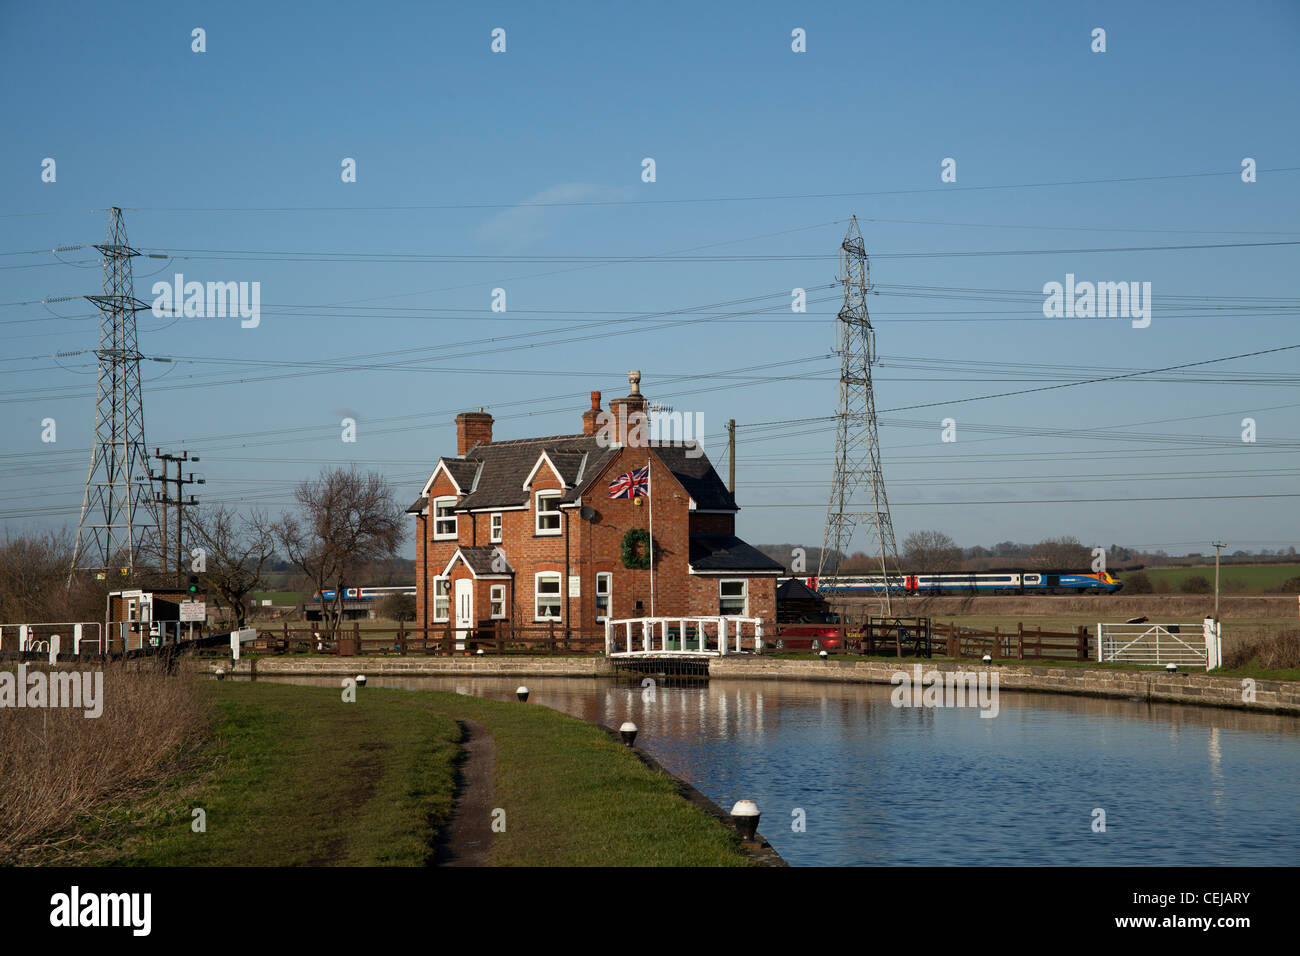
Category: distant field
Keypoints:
(1233, 578)
(277, 598)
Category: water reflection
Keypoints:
(935, 786)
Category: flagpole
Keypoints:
(649, 493)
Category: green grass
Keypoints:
(295, 776)
(277, 598)
(1233, 578)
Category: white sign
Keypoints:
(575, 586)
(192, 611)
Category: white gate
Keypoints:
(1157, 645)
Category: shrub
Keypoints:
(1290, 585)
(1280, 652)
(1137, 583)
(1196, 584)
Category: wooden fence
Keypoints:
(1020, 644)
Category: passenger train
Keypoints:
(966, 583)
(364, 594)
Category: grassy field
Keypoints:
(1233, 579)
(292, 775)
(277, 598)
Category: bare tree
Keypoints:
(34, 584)
(931, 551)
(1061, 554)
(235, 551)
(346, 520)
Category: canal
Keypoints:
(876, 784)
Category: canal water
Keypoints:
(876, 784)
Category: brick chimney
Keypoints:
(589, 423)
(472, 428)
(629, 414)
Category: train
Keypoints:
(363, 594)
(968, 583)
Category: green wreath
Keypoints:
(636, 549)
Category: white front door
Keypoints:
(464, 610)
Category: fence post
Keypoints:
(997, 644)
(1099, 651)
(722, 636)
(1082, 643)
(285, 627)
(1020, 640)
(609, 636)
(898, 641)
(758, 636)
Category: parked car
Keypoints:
(813, 631)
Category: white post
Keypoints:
(24, 635)
(758, 636)
(681, 626)
(627, 631)
(234, 645)
(609, 636)
(76, 639)
(645, 635)
(1100, 657)
(722, 636)
(54, 649)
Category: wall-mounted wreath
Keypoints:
(636, 549)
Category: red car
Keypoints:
(811, 632)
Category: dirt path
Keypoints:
(467, 837)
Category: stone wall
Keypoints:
(1179, 688)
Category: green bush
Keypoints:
(1137, 583)
(1196, 584)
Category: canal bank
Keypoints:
(1203, 690)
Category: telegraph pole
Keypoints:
(731, 455)
(163, 500)
(1217, 546)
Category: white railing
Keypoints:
(683, 635)
(30, 640)
(1158, 644)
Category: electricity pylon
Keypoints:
(858, 488)
(117, 509)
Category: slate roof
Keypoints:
(462, 471)
(795, 590)
(726, 552)
(479, 560)
(418, 507)
(579, 458)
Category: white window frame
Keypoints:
(444, 599)
(437, 519)
(497, 596)
(538, 513)
(607, 594)
(744, 588)
(558, 595)
(495, 526)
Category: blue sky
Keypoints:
(229, 161)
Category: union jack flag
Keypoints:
(635, 484)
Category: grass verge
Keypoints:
(294, 776)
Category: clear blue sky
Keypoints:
(230, 161)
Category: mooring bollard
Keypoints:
(1171, 668)
(479, 652)
(628, 732)
(361, 680)
(522, 693)
(744, 815)
(823, 655)
(221, 674)
(987, 660)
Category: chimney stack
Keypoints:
(629, 413)
(472, 428)
(589, 424)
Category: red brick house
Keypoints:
(526, 531)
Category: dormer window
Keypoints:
(546, 510)
(444, 519)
